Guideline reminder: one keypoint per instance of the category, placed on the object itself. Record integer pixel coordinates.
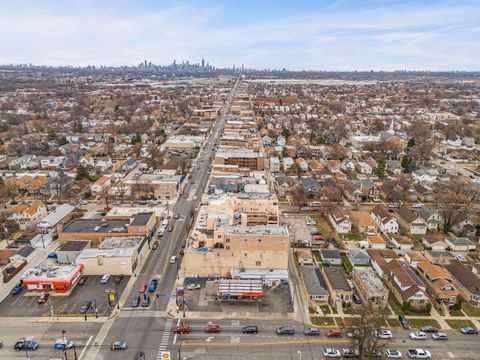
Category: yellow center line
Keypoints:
(262, 343)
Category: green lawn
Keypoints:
(354, 236)
(457, 324)
(457, 313)
(470, 310)
(347, 264)
(326, 309)
(394, 304)
(418, 323)
(393, 323)
(323, 321)
(324, 227)
(311, 310)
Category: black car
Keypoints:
(136, 302)
(146, 301)
(29, 345)
(119, 278)
(85, 307)
(403, 321)
(356, 299)
(429, 329)
(155, 245)
(251, 329)
(313, 233)
(82, 280)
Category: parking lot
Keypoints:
(276, 299)
(297, 227)
(92, 289)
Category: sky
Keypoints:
(296, 34)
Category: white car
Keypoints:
(104, 279)
(419, 354)
(417, 206)
(393, 354)
(311, 222)
(195, 197)
(384, 334)
(285, 215)
(173, 259)
(193, 286)
(439, 336)
(332, 353)
(418, 335)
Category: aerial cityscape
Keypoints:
(183, 181)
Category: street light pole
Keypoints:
(117, 280)
(64, 345)
(25, 347)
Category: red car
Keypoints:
(212, 328)
(185, 329)
(143, 288)
(334, 333)
(42, 298)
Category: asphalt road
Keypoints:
(146, 333)
(81, 333)
(232, 344)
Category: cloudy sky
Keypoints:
(295, 34)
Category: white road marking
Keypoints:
(235, 340)
(451, 355)
(85, 347)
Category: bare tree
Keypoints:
(121, 189)
(155, 158)
(364, 327)
(11, 189)
(105, 195)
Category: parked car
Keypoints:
(170, 228)
(354, 334)
(469, 331)
(176, 216)
(418, 335)
(333, 333)
(439, 336)
(350, 353)
(212, 328)
(42, 298)
(285, 330)
(419, 354)
(104, 279)
(356, 299)
(173, 259)
(82, 280)
(183, 329)
(119, 345)
(85, 307)
(16, 290)
(155, 245)
(311, 222)
(393, 354)
(310, 331)
(146, 301)
(332, 353)
(29, 345)
(142, 288)
(404, 322)
(193, 286)
(428, 329)
(384, 334)
(63, 344)
(136, 301)
(250, 329)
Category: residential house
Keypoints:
(26, 215)
(274, 164)
(370, 287)
(434, 242)
(402, 242)
(386, 221)
(432, 218)
(370, 190)
(61, 215)
(304, 257)
(394, 167)
(376, 242)
(331, 257)
(406, 285)
(340, 220)
(358, 257)
(410, 221)
(363, 168)
(466, 281)
(423, 177)
(283, 184)
(380, 258)
(424, 192)
(100, 184)
(337, 285)
(363, 222)
(413, 258)
(460, 244)
(439, 283)
(439, 257)
(310, 185)
(464, 227)
(314, 284)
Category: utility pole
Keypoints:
(25, 347)
(117, 280)
(64, 345)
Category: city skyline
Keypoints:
(326, 35)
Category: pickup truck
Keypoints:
(152, 285)
(419, 354)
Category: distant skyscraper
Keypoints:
(145, 63)
(203, 63)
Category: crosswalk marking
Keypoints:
(451, 355)
(165, 338)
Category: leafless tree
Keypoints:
(105, 195)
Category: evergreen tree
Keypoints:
(380, 170)
(82, 173)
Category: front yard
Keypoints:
(324, 227)
(418, 323)
(323, 321)
(470, 310)
(457, 324)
